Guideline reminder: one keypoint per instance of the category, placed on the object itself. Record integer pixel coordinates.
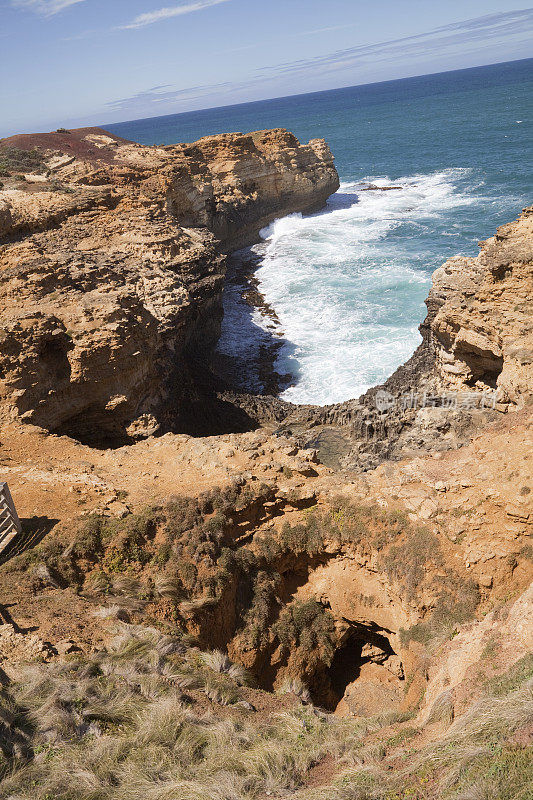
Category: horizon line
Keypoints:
(305, 94)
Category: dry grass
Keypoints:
(295, 686)
(154, 719)
(117, 726)
(217, 661)
(129, 724)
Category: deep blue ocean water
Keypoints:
(348, 284)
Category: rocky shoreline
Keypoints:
(237, 369)
(115, 255)
(474, 363)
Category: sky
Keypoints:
(67, 63)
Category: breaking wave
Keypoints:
(348, 284)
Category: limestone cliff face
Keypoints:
(112, 264)
(475, 361)
(479, 317)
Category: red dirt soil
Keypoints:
(71, 143)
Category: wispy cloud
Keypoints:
(504, 26)
(153, 97)
(46, 8)
(507, 28)
(167, 13)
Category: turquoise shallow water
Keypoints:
(348, 284)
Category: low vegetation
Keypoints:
(151, 719)
(195, 565)
(14, 160)
(306, 633)
(168, 717)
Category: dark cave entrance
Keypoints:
(487, 376)
(358, 647)
(346, 666)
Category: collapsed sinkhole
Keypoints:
(328, 683)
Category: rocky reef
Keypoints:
(112, 265)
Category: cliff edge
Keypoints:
(112, 261)
(474, 363)
(185, 578)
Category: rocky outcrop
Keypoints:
(112, 265)
(480, 316)
(402, 591)
(111, 276)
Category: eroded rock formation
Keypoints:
(112, 265)
(402, 591)
(480, 316)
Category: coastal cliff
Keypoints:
(112, 262)
(370, 560)
(480, 316)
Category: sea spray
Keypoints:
(348, 287)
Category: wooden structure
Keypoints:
(10, 527)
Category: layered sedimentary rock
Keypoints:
(480, 315)
(112, 265)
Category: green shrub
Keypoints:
(181, 514)
(454, 607)
(88, 540)
(307, 537)
(259, 609)
(407, 562)
(309, 626)
(14, 160)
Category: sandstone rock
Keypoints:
(394, 665)
(371, 652)
(290, 450)
(517, 512)
(66, 646)
(297, 495)
(487, 340)
(18, 648)
(303, 468)
(117, 509)
(109, 292)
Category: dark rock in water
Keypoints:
(469, 367)
(373, 188)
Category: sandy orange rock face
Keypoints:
(112, 264)
(481, 308)
(111, 270)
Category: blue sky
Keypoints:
(85, 62)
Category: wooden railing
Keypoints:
(10, 527)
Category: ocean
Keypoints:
(348, 284)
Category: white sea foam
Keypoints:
(348, 285)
